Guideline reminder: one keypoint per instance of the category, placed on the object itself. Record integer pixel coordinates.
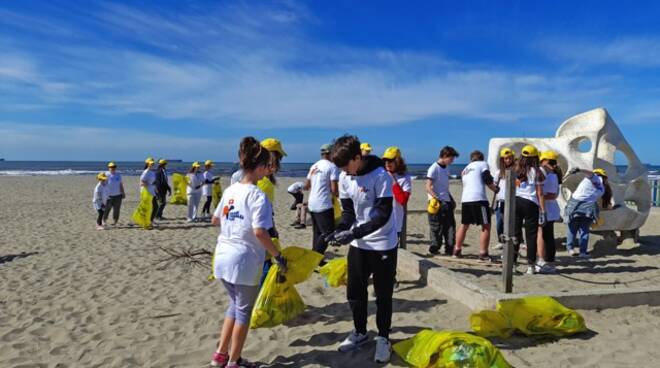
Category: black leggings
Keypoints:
(154, 207)
(207, 205)
(324, 225)
(362, 264)
(99, 218)
(527, 212)
(548, 233)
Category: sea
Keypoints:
(135, 168)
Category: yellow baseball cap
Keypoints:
(391, 153)
(162, 161)
(112, 164)
(600, 172)
(549, 155)
(196, 164)
(208, 163)
(273, 145)
(101, 176)
(365, 147)
(149, 160)
(506, 152)
(530, 151)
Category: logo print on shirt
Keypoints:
(228, 212)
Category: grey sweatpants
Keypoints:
(114, 203)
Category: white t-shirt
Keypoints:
(589, 189)
(405, 182)
(501, 182)
(320, 176)
(551, 186)
(100, 197)
(296, 187)
(239, 256)
(440, 178)
(364, 190)
(207, 189)
(149, 176)
(113, 183)
(196, 179)
(474, 189)
(236, 177)
(527, 189)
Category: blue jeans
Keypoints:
(499, 219)
(578, 229)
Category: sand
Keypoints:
(76, 297)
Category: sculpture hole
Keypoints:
(584, 145)
(621, 162)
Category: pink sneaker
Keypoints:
(219, 359)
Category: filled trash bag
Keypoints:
(301, 263)
(179, 184)
(142, 214)
(216, 194)
(335, 272)
(533, 315)
(277, 303)
(449, 349)
(268, 188)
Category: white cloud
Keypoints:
(636, 51)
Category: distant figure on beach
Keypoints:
(506, 161)
(530, 203)
(100, 198)
(546, 238)
(365, 149)
(116, 194)
(475, 209)
(369, 226)
(582, 209)
(244, 214)
(207, 189)
(441, 223)
(194, 191)
(401, 184)
(163, 188)
(298, 205)
(322, 182)
(148, 181)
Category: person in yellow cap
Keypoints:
(194, 191)
(148, 182)
(366, 149)
(163, 188)
(546, 239)
(442, 224)
(582, 209)
(100, 198)
(116, 194)
(207, 189)
(506, 161)
(401, 184)
(530, 203)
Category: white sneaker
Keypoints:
(574, 252)
(530, 270)
(353, 341)
(499, 246)
(383, 350)
(545, 268)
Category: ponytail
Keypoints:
(251, 154)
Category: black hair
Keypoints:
(252, 155)
(476, 156)
(448, 151)
(344, 149)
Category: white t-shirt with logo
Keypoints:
(364, 190)
(440, 178)
(296, 187)
(527, 189)
(551, 186)
(196, 179)
(474, 189)
(113, 185)
(320, 175)
(149, 176)
(207, 189)
(589, 189)
(405, 182)
(239, 256)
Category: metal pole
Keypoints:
(404, 228)
(509, 230)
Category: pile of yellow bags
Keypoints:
(216, 195)
(142, 214)
(429, 349)
(278, 301)
(335, 272)
(534, 315)
(179, 184)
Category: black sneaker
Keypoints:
(295, 223)
(300, 226)
(485, 258)
(434, 250)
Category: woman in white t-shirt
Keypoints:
(244, 214)
(401, 184)
(207, 189)
(546, 238)
(507, 161)
(194, 191)
(148, 182)
(530, 203)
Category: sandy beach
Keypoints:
(73, 296)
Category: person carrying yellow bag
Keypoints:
(147, 193)
(244, 214)
(442, 224)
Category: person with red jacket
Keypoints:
(401, 184)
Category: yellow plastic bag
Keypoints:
(336, 206)
(434, 206)
(533, 315)
(276, 242)
(267, 187)
(335, 272)
(142, 214)
(216, 194)
(449, 349)
(179, 184)
(300, 263)
(277, 302)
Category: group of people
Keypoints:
(372, 193)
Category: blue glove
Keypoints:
(542, 219)
(280, 261)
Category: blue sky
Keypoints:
(182, 79)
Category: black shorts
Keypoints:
(298, 197)
(475, 213)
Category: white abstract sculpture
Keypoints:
(631, 190)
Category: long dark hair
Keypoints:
(275, 158)
(524, 165)
(251, 154)
(502, 166)
(400, 167)
(607, 195)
